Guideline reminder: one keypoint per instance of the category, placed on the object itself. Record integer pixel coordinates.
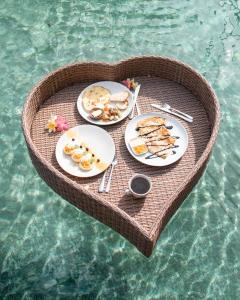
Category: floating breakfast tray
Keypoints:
(162, 79)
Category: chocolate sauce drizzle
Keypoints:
(166, 136)
(149, 141)
(153, 139)
(146, 134)
(151, 125)
(154, 155)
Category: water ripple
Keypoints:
(50, 250)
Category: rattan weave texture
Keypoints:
(162, 79)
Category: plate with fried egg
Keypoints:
(105, 103)
(85, 151)
(156, 140)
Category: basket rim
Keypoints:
(157, 224)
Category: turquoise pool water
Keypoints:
(50, 250)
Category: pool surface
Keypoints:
(49, 249)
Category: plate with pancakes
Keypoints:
(85, 151)
(105, 103)
(156, 140)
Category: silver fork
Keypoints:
(102, 184)
(167, 106)
(113, 164)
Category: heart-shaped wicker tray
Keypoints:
(162, 79)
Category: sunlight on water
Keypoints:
(50, 250)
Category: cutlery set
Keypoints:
(135, 104)
(102, 187)
(167, 108)
(163, 107)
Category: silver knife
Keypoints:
(171, 112)
(134, 100)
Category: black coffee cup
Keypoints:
(139, 186)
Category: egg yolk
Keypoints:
(68, 149)
(76, 156)
(139, 149)
(85, 164)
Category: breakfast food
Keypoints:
(94, 96)
(70, 147)
(119, 97)
(154, 136)
(148, 122)
(122, 105)
(96, 113)
(110, 114)
(77, 154)
(100, 164)
(86, 162)
(138, 146)
(82, 155)
(104, 106)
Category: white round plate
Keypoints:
(177, 130)
(98, 140)
(113, 87)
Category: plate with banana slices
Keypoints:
(85, 151)
(155, 140)
(105, 103)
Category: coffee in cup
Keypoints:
(139, 186)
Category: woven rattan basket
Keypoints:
(162, 79)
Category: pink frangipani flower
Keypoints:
(61, 123)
